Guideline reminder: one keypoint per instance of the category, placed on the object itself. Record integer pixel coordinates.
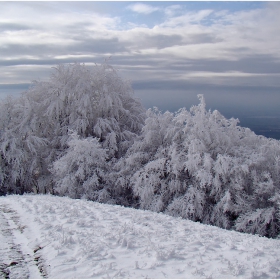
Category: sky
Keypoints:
(170, 51)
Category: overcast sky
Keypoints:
(170, 51)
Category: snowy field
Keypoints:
(43, 236)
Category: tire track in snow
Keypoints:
(17, 260)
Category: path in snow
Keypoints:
(15, 262)
(82, 239)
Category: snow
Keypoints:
(58, 237)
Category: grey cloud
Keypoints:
(52, 61)
(88, 46)
(48, 50)
(34, 50)
(256, 64)
(137, 59)
(45, 61)
(98, 46)
(161, 41)
(202, 38)
(13, 27)
(78, 30)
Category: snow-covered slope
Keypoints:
(57, 237)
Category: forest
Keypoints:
(83, 134)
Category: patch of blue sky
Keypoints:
(227, 7)
(130, 18)
(231, 6)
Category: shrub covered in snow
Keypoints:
(81, 172)
(201, 166)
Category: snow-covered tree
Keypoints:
(94, 102)
(19, 148)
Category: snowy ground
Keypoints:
(51, 237)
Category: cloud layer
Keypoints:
(154, 44)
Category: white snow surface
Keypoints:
(44, 236)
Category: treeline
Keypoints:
(83, 134)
